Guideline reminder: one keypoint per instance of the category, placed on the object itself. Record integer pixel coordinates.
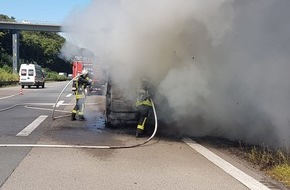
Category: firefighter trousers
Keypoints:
(143, 113)
(79, 108)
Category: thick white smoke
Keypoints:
(237, 86)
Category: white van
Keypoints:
(31, 75)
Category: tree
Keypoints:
(6, 18)
(5, 43)
(43, 48)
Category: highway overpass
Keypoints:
(15, 27)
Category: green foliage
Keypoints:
(54, 76)
(43, 48)
(48, 43)
(7, 68)
(6, 75)
(5, 59)
(5, 43)
(6, 18)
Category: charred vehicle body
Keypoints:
(120, 109)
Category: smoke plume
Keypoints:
(222, 66)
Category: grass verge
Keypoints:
(274, 162)
(281, 173)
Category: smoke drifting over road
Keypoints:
(238, 84)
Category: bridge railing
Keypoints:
(7, 83)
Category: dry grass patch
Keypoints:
(281, 173)
(275, 162)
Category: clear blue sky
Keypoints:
(54, 11)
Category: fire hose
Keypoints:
(84, 146)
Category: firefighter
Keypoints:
(80, 84)
(143, 106)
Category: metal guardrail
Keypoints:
(5, 83)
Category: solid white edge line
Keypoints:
(227, 167)
(27, 130)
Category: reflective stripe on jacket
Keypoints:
(145, 103)
(143, 98)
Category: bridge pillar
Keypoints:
(15, 44)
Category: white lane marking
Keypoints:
(69, 95)
(59, 103)
(47, 104)
(244, 178)
(27, 130)
(40, 104)
(38, 108)
(7, 97)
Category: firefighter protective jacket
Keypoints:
(81, 84)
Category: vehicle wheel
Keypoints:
(108, 110)
(107, 120)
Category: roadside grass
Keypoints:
(54, 76)
(274, 162)
(281, 173)
(6, 75)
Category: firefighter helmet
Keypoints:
(145, 83)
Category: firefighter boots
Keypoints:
(81, 118)
(139, 133)
(73, 116)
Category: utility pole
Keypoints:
(15, 44)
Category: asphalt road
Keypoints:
(163, 163)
